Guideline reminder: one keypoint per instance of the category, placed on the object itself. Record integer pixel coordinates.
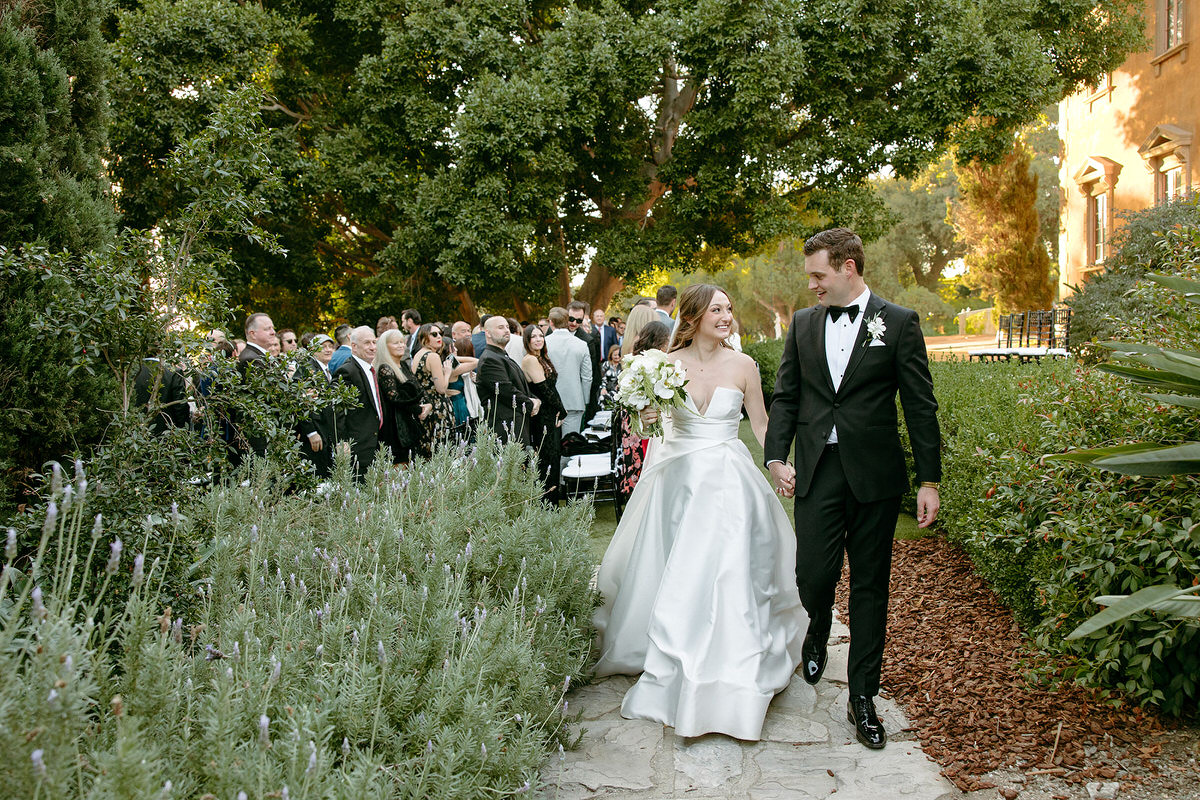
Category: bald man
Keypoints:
(507, 402)
(359, 427)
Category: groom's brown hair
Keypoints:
(843, 245)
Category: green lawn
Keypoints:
(605, 522)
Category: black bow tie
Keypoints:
(837, 311)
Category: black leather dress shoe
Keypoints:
(814, 654)
(867, 727)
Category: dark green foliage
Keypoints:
(1103, 307)
(767, 353)
(52, 191)
(53, 115)
(500, 150)
(1049, 538)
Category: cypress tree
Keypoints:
(53, 193)
(997, 220)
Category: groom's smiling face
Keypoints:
(834, 287)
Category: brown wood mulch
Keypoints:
(955, 661)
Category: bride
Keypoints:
(699, 580)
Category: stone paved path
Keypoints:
(808, 750)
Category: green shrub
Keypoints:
(767, 353)
(410, 637)
(1049, 538)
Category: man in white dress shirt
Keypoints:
(573, 362)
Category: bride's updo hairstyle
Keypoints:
(693, 303)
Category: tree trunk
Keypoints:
(599, 286)
(523, 309)
(466, 307)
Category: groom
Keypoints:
(844, 360)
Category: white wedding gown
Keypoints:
(699, 582)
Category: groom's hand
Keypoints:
(784, 477)
(928, 504)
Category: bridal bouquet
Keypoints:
(649, 380)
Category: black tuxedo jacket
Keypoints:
(805, 406)
(320, 422)
(359, 426)
(172, 395)
(250, 441)
(505, 395)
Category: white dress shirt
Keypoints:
(839, 344)
(367, 368)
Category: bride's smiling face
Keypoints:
(717, 321)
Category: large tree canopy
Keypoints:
(442, 153)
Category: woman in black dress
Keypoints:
(546, 428)
(403, 410)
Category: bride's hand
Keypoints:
(648, 415)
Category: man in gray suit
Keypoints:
(573, 362)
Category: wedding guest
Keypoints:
(639, 317)
(507, 401)
(403, 410)
(653, 336)
(171, 409)
(239, 345)
(546, 424)
(515, 347)
(287, 340)
(606, 335)
(342, 334)
(260, 337)
(665, 300)
(610, 373)
(456, 388)
(316, 431)
(216, 336)
(573, 363)
(544, 324)
(434, 379)
(358, 428)
(386, 324)
(410, 323)
(579, 322)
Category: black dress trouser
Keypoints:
(829, 520)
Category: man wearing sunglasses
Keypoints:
(573, 362)
(577, 313)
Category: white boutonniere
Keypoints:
(875, 329)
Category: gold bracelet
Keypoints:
(929, 484)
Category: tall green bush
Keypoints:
(410, 637)
(53, 115)
(1050, 538)
(767, 353)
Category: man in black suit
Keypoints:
(260, 336)
(172, 406)
(844, 361)
(316, 430)
(358, 428)
(606, 335)
(507, 402)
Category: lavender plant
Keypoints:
(409, 637)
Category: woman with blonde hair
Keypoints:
(639, 317)
(699, 580)
(400, 397)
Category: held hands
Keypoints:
(928, 504)
(783, 476)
